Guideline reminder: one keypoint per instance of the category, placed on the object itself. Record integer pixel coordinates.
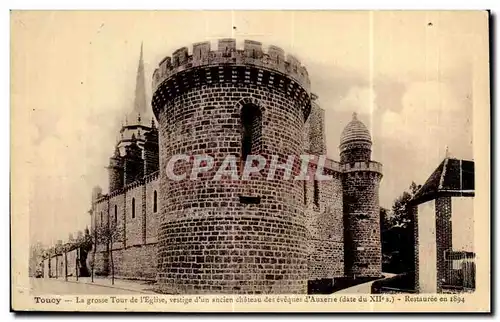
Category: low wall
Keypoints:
(135, 262)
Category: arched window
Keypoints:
(133, 207)
(116, 214)
(155, 202)
(251, 138)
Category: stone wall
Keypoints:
(133, 262)
(136, 262)
(133, 227)
(151, 219)
(444, 239)
(325, 228)
(100, 260)
(118, 204)
(135, 238)
(315, 131)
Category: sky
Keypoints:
(408, 75)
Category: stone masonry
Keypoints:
(252, 236)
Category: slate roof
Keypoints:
(453, 177)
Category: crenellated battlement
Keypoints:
(226, 53)
(152, 177)
(333, 165)
(371, 166)
(337, 167)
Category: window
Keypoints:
(305, 192)
(251, 122)
(316, 193)
(133, 207)
(116, 214)
(155, 202)
(248, 200)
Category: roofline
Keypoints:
(443, 172)
(135, 126)
(441, 193)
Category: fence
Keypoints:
(461, 270)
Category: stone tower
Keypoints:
(361, 179)
(230, 236)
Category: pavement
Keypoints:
(365, 288)
(103, 285)
(84, 285)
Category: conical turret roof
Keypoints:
(355, 131)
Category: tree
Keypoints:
(385, 225)
(36, 256)
(401, 215)
(94, 243)
(385, 222)
(398, 234)
(106, 235)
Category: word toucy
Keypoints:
(292, 167)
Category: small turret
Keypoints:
(116, 171)
(151, 150)
(96, 193)
(360, 182)
(134, 163)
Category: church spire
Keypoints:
(140, 89)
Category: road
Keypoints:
(44, 286)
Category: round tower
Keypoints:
(115, 171)
(361, 180)
(230, 236)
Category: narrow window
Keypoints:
(305, 192)
(116, 214)
(133, 207)
(155, 202)
(316, 193)
(251, 122)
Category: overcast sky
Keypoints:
(407, 74)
